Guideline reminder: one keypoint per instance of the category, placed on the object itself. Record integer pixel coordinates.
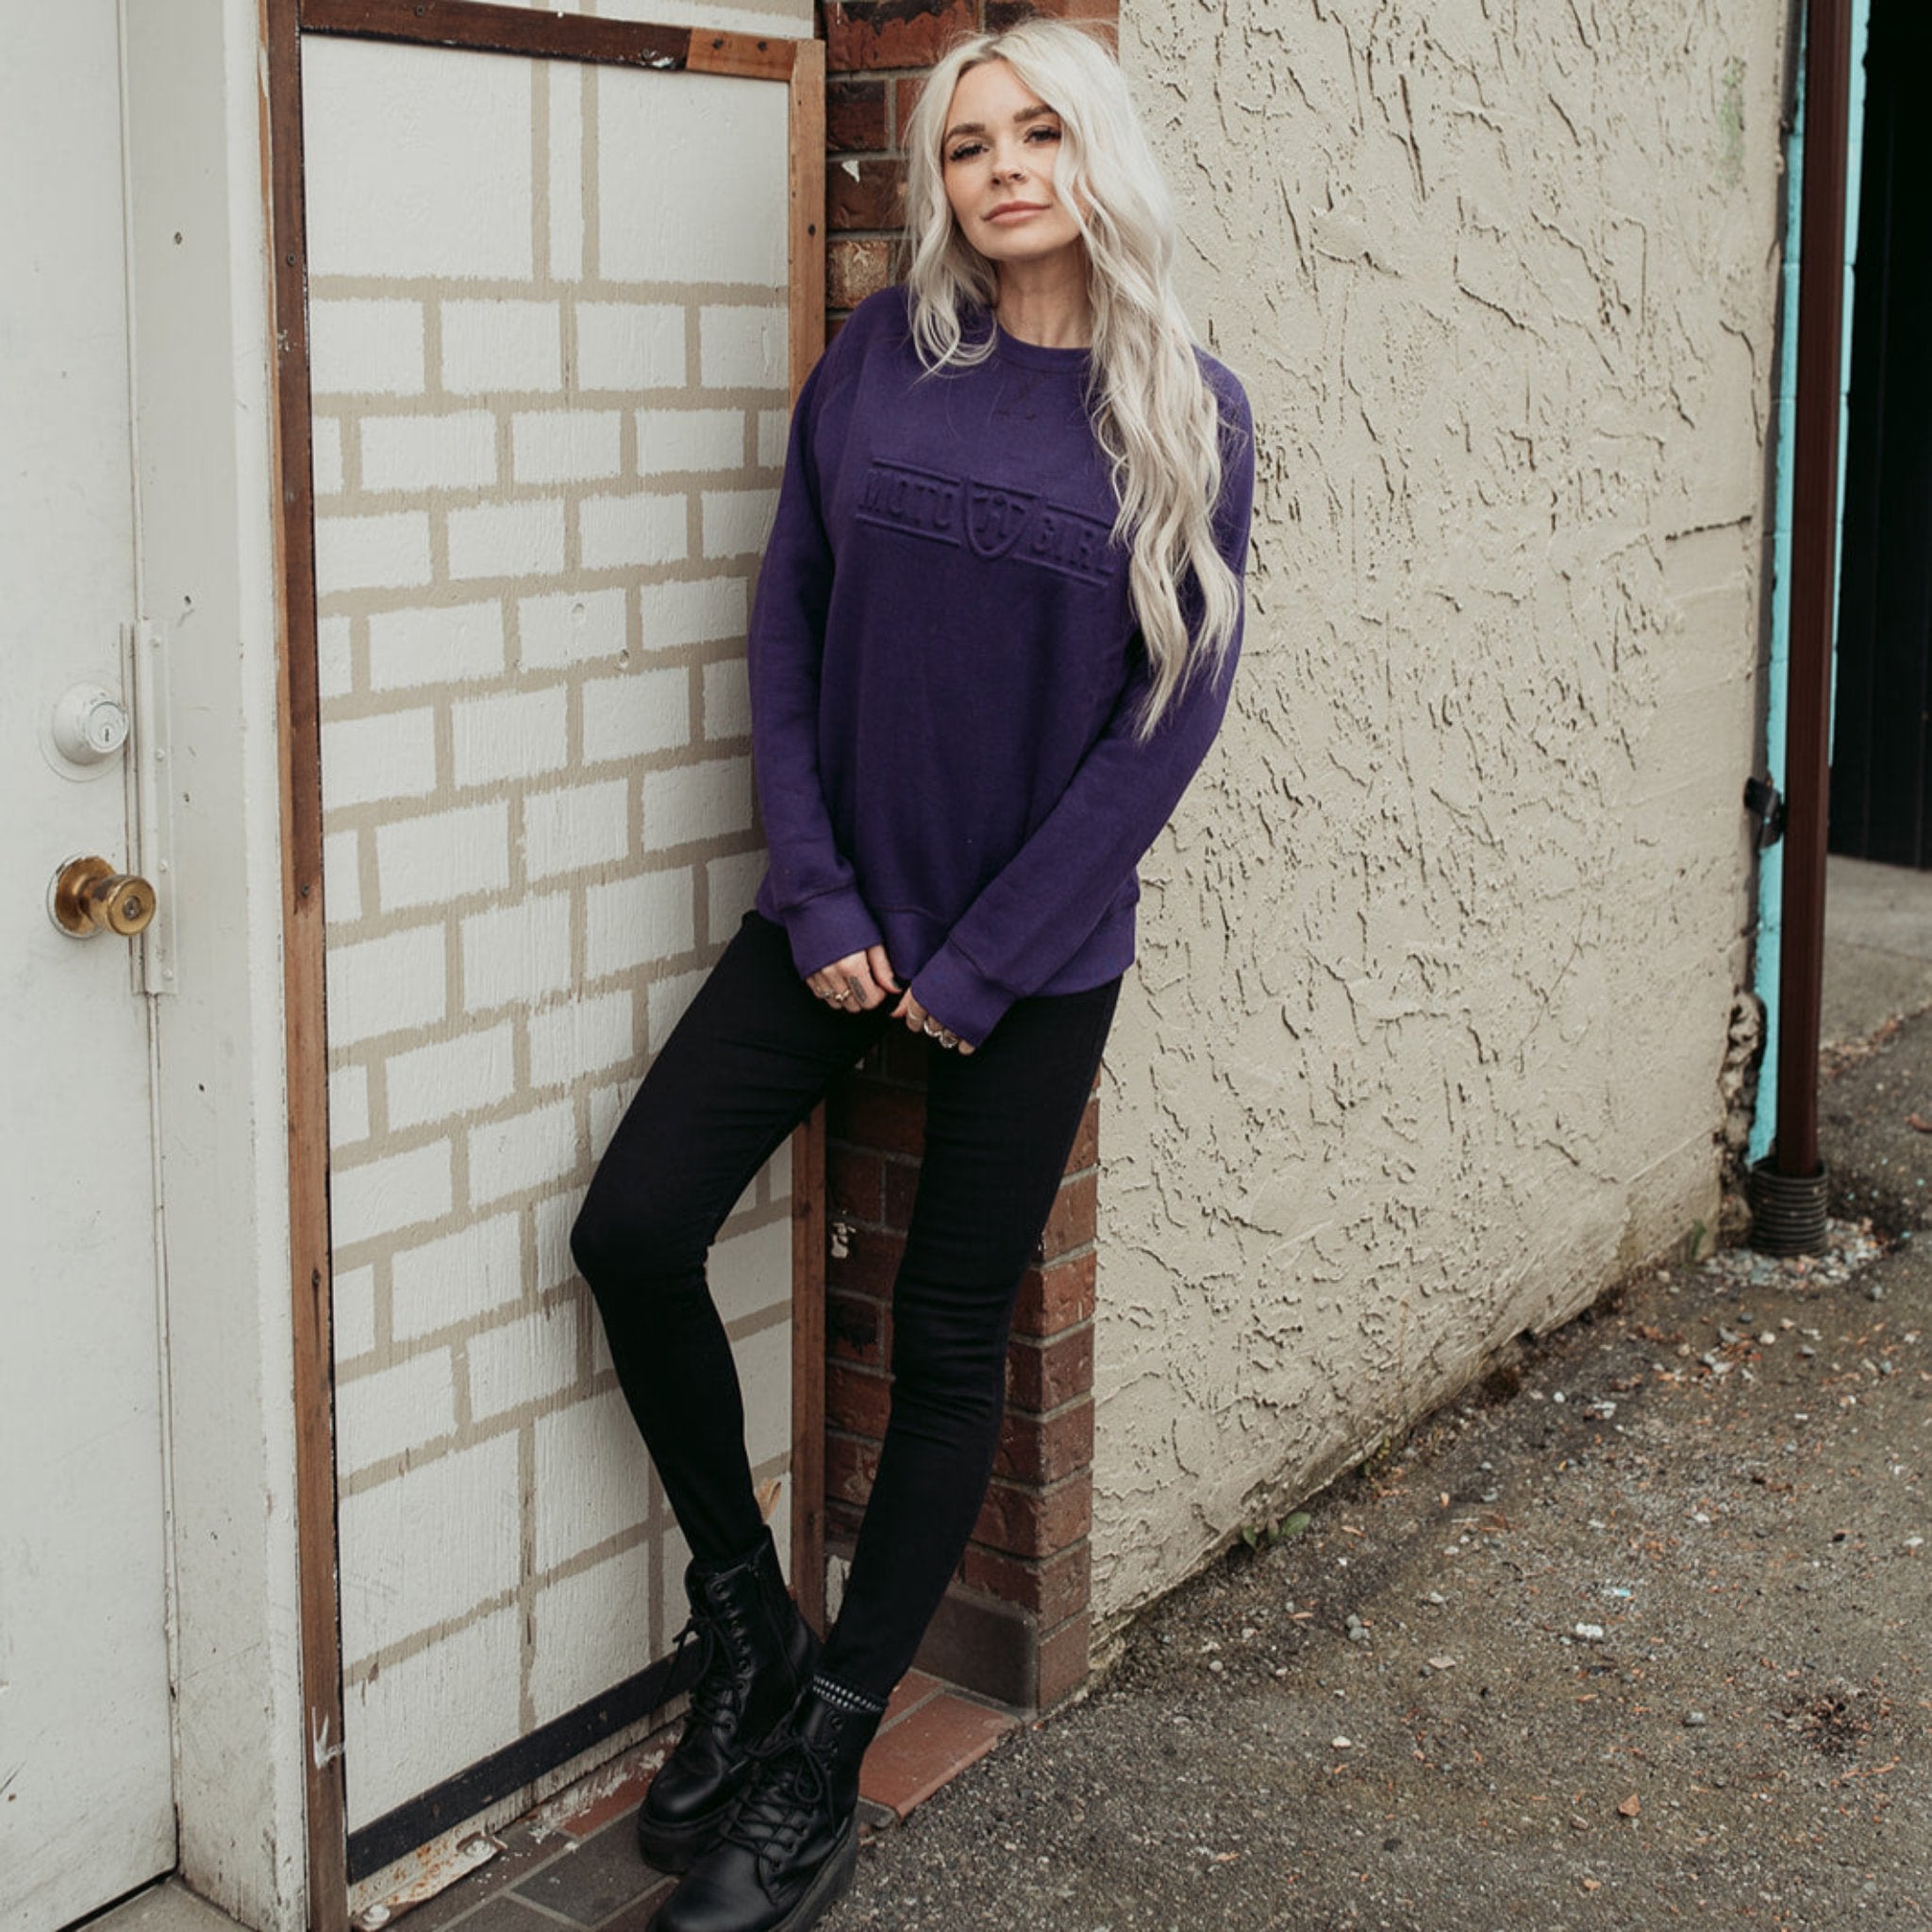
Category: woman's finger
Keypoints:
(856, 974)
(847, 983)
(881, 968)
(915, 1016)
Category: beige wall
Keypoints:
(1439, 955)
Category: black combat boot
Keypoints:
(758, 1652)
(788, 1849)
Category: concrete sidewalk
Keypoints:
(1632, 1636)
(1877, 947)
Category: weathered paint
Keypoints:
(86, 1724)
(1440, 956)
(206, 500)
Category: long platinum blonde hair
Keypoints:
(1152, 413)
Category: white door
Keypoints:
(86, 1798)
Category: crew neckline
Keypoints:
(1037, 355)
(1009, 348)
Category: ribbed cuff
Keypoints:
(959, 996)
(830, 928)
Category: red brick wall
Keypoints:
(1015, 1624)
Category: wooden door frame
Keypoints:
(800, 66)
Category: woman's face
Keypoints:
(1001, 144)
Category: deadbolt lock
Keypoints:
(90, 896)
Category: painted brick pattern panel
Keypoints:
(543, 468)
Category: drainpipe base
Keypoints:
(1787, 1210)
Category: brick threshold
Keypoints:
(572, 1862)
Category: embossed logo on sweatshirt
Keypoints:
(994, 520)
(1065, 540)
(917, 502)
(996, 517)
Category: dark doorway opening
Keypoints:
(1881, 774)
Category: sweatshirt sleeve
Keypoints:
(1038, 910)
(812, 886)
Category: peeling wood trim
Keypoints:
(762, 56)
(460, 24)
(466, 25)
(809, 1367)
(806, 303)
(486, 29)
(806, 84)
(299, 754)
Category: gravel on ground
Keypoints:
(1631, 1635)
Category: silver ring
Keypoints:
(949, 1040)
(932, 1029)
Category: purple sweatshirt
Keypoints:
(944, 664)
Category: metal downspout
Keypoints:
(1789, 1185)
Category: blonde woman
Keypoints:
(994, 636)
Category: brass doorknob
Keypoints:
(90, 896)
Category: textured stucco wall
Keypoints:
(1439, 955)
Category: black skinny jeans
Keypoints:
(750, 1058)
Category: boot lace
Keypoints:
(712, 1703)
(789, 1788)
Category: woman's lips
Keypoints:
(1015, 211)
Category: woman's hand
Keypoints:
(918, 1021)
(856, 983)
(860, 980)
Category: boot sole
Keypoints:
(828, 1885)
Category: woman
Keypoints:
(994, 630)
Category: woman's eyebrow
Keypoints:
(1020, 120)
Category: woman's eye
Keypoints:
(965, 151)
(1042, 134)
